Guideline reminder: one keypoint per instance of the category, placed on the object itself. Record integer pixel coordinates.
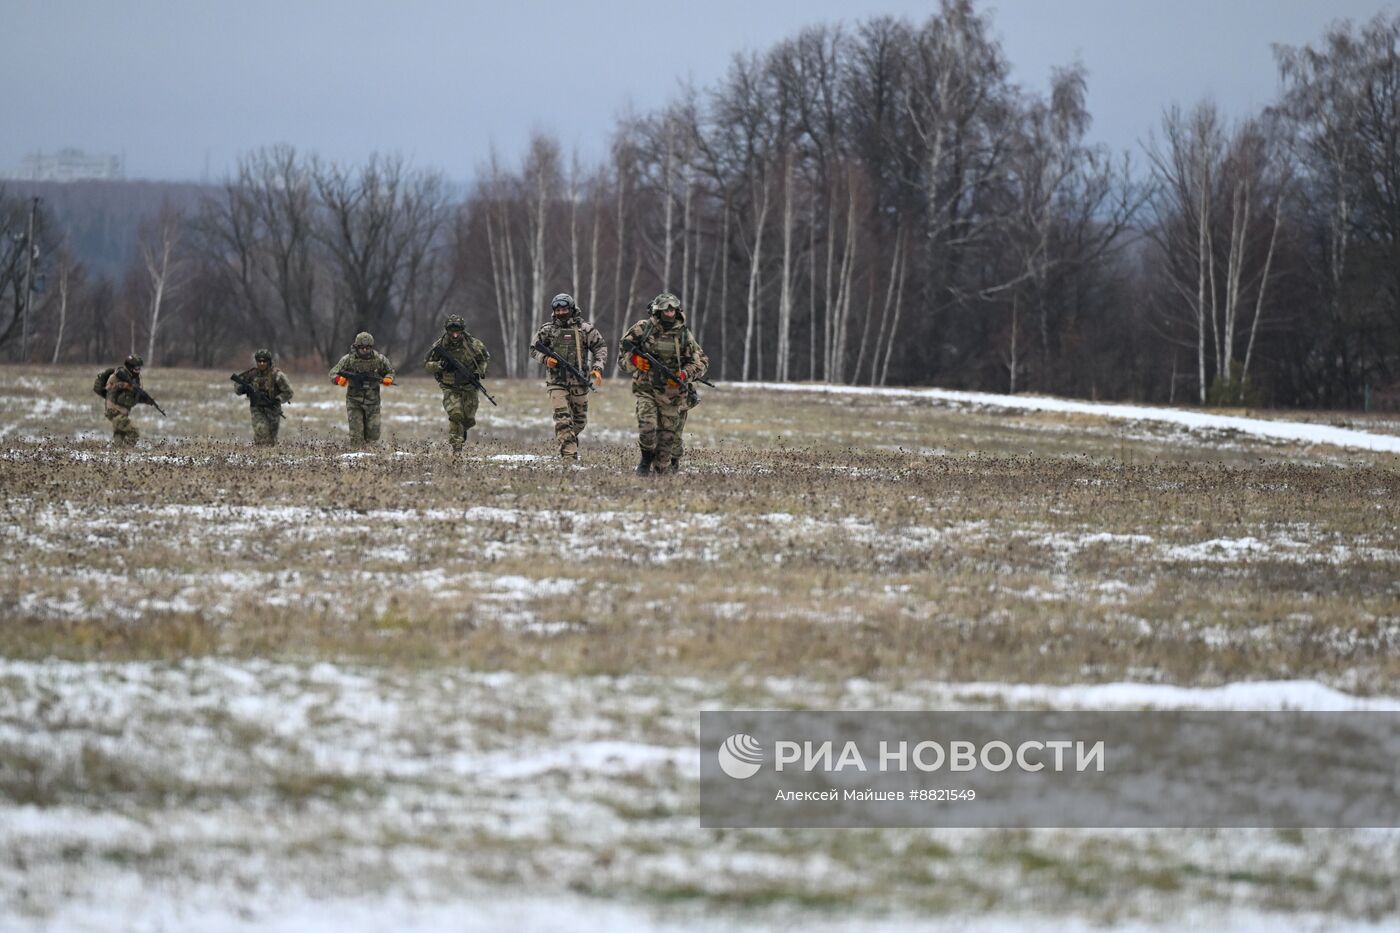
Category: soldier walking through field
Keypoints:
(574, 354)
(459, 396)
(121, 388)
(662, 402)
(362, 371)
(267, 390)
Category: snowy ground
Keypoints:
(1200, 422)
(250, 793)
(318, 687)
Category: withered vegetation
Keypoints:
(828, 536)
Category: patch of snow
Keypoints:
(1303, 695)
(1192, 420)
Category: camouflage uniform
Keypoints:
(362, 400)
(583, 346)
(662, 405)
(121, 398)
(273, 384)
(459, 398)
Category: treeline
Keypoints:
(874, 205)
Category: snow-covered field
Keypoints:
(250, 793)
(322, 688)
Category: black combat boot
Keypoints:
(675, 466)
(644, 466)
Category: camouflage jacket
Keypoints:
(675, 346)
(121, 396)
(469, 351)
(377, 363)
(272, 383)
(577, 341)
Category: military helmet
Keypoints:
(455, 322)
(133, 362)
(364, 339)
(665, 301)
(563, 300)
(262, 355)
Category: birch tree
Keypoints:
(158, 246)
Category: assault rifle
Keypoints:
(463, 372)
(636, 349)
(258, 396)
(360, 379)
(144, 397)
(542, 348)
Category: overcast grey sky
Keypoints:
(177, 84)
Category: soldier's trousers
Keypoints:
(363, 415)
(123, 431)
(460, 404)
(265, 425)
(678, 447)
(570, 415)
(660, 427)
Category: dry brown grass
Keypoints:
(809, 535)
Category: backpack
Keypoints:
(99, 385)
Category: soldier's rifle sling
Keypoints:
(258, 396)
(464, 371)
(542, 348)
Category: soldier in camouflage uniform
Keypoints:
(362, 396)
(582, 345)
(459, 398)
(121, 397)
(662, 404)
(276, 391)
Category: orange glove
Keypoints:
(597, 378)
(551, 362)
(341, 380)
(640, 363)
(388, 380)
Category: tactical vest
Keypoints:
(463, 352)
(124, 398)
(570, 342)
(356, 365)
(667, 345)
(264, 382)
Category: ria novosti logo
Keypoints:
(740, 756)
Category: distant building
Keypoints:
(68, 165)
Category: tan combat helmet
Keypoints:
(663, 302)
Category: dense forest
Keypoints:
(872, 204)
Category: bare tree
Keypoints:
(1220, 205)
(159, 243)
(378, 225)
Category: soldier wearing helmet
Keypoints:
(269, 391)
(122, 391)
(362, 371)
(582, 346)
(662, 404)
(459, 398)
